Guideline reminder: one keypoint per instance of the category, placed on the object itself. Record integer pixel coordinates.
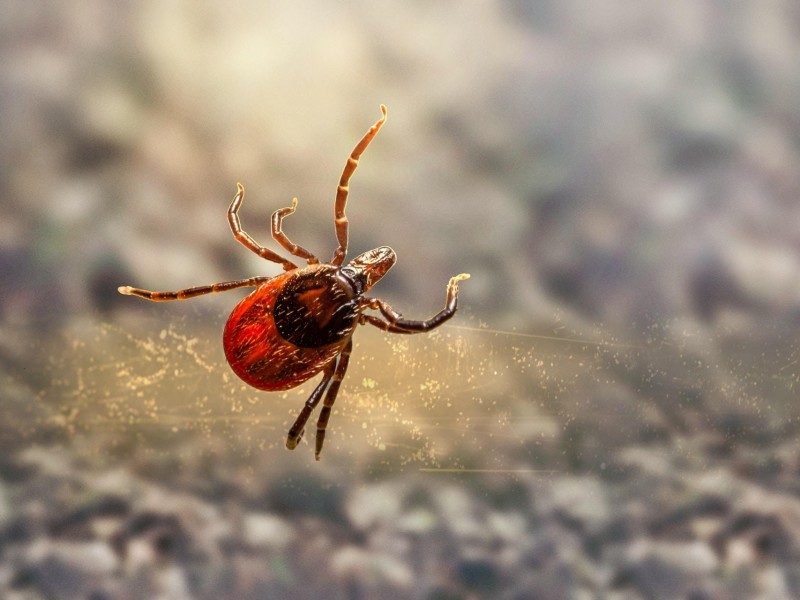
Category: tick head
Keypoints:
(365, 270)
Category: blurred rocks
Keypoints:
(739, 542)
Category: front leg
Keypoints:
(395, 323)
(340, 219)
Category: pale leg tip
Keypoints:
(125, 290)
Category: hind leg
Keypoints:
(191, 292)
(330, 397)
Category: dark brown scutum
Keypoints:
(314, 310)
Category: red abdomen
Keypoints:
(256, 346)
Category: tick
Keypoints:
(301, 322)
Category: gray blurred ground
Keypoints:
(612, 414)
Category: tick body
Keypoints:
(300, 323)
(291, 327)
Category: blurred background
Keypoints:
(612, 413)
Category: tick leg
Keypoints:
(296, 431)
(395, 323)
(191, 292)
(243, 238)
(280, 237)
(381, 324)
(340, 219)
(330, 397)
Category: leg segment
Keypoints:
(280, 237)
(396, 323)
(330, 397)
(296, 431)
(340, 220)
(191, 292)
(248, 242)
(381, 324)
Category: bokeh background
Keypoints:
(612, 413)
